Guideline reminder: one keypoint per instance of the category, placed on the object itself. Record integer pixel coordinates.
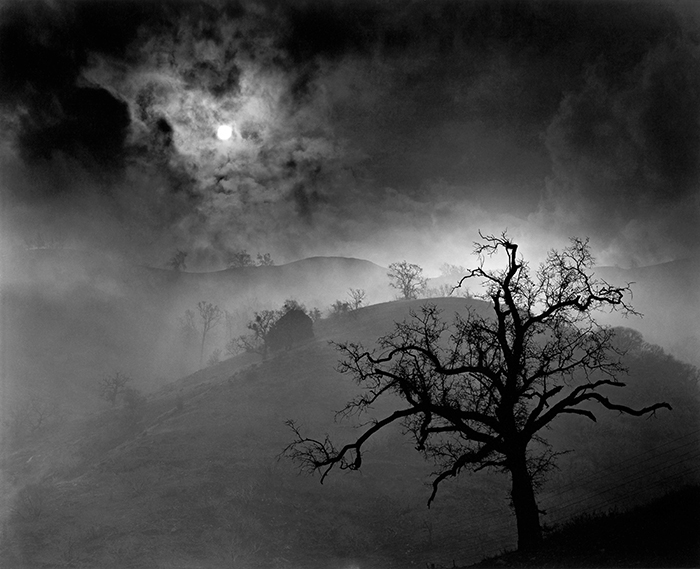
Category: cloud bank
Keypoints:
(372, 129)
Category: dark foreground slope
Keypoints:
(663, 533)
(191, 477)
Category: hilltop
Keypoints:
(190, 477)
(70, 317)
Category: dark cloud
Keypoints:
(89, 124)
(626, 151)
(356, 119)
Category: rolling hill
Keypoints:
(69, 317)
(191, 476)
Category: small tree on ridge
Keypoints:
(478, 392)
(177, 261)
(357, 297)
(408, 279)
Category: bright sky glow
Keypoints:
(224, 132)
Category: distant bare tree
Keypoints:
(112, 386)
(239, 258)
(29, 416)
(264, 260)
(340, 307)
(177, 261)
(408, 279)
(257, 342)
(357, 297)
(315, 314)
(211, 316)
(41, 412)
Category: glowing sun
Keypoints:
(224, 132)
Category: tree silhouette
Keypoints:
(239, 258)
(112, 386)
(408, 279)
(211, 316)
(357, 297)
(264, 260)
(177, 261)
(478, 392)
(258, 341)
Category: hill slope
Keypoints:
(190, 477)
(668, 295)
(69, 317)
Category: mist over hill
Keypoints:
(71, 316)
(192, 478)
(668, 296)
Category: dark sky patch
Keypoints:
(89, 124)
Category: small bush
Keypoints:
(340, 307)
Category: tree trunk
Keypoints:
(201, 351)
(526, 511)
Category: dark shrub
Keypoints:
(291, 329)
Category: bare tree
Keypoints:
(257, 342)
(211, 316)
(264, 260)
(239, 258)
(112, 386)
(315, 314)
(29, 416)
(478, 392)
(339, 308)
(408, 279)
(357, 297)
(177, 261)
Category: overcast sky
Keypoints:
(378, 129)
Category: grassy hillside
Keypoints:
(69, 317)
(190, 477)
